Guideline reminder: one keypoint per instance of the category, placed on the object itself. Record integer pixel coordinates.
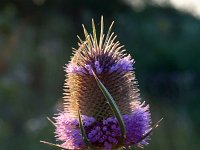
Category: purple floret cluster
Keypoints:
(105, 133)
(68, 131)
(137, 124)
(123, 64)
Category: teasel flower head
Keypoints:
(107, 58)
(102, 107)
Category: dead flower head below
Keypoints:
(102, 107)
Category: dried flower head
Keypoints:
(103, 58)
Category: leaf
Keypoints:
(55, 145)
(113, 106)
(150, 131)
(83, 134)
(51, 121)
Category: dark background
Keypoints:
(35, 43)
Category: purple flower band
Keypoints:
(105, 133)
(123, 64)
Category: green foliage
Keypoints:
(83, 134)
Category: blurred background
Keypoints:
(36, 40)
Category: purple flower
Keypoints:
(67, 130)
(114, 68)
(123, 64)
(72, 68)
(104, 134)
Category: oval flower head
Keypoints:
(104, 58)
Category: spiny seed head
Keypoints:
(107, 58)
